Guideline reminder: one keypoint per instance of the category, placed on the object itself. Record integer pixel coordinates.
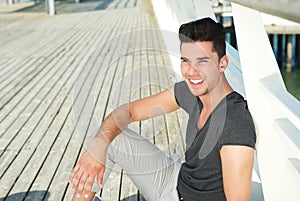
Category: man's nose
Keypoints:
(193, 69)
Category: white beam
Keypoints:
(288, 9)
(263, 81)
(50, 7)
(10, 2)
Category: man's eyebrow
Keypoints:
(202, 58)
(184, 58)
(198, 58)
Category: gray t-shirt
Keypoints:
(200, 177)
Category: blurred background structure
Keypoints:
(284, 36)
(282, 26)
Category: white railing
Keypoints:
(276, 112)
(253, 71)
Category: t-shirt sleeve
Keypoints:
(239, 129)
(184, 97)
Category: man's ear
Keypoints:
(223, 63)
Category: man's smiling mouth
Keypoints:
(196, 81)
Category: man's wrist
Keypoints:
(98, 148)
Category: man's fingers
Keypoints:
(82, 183)
(100, 178)
(83, 175)
(76, 180)
(88, 186)
(73, 173)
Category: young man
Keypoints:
(220, 136)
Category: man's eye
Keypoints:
(202, 61)
(184, 61)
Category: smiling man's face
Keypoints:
(200, 67)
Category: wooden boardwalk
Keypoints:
(60, 76)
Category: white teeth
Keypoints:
(196, 81)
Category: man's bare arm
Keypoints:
(237, 165)
(92, 163)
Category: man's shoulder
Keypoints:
(185, 99)
(181, 84)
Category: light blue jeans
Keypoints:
(150, 169)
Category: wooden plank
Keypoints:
(130, 92)
(175, 139)
(166, 79)
(43, 180)
(47, 125)
(42, 105)
(31, 86)
(9, 130)
(37, 139)
(57, 79)
(42, 28)
(7, 36)
(147, 129)
(158, 122)
(73, 41)
(14, 44)
(68, 158)
(69, 193)
(131, 3)
(30, 39)
(6, 67)
(19, 122)
(53, 40)
(121, 4)
(112, 189)
(139, 88)
(17, 81)
(147, 125)
(4, 62)
(12, 70)
(71, 22)
(108, 78)
(53, 159)
(45, 149)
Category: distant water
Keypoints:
(292, 81)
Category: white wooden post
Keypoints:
(50, 7)
(10, 2)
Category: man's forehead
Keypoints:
(197, 49)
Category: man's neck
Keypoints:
(213, 98)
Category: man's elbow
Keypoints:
(122, 115)
(238, 198)
(238, 195)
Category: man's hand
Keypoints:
(84, 173)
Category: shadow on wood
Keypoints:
(31, 195)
